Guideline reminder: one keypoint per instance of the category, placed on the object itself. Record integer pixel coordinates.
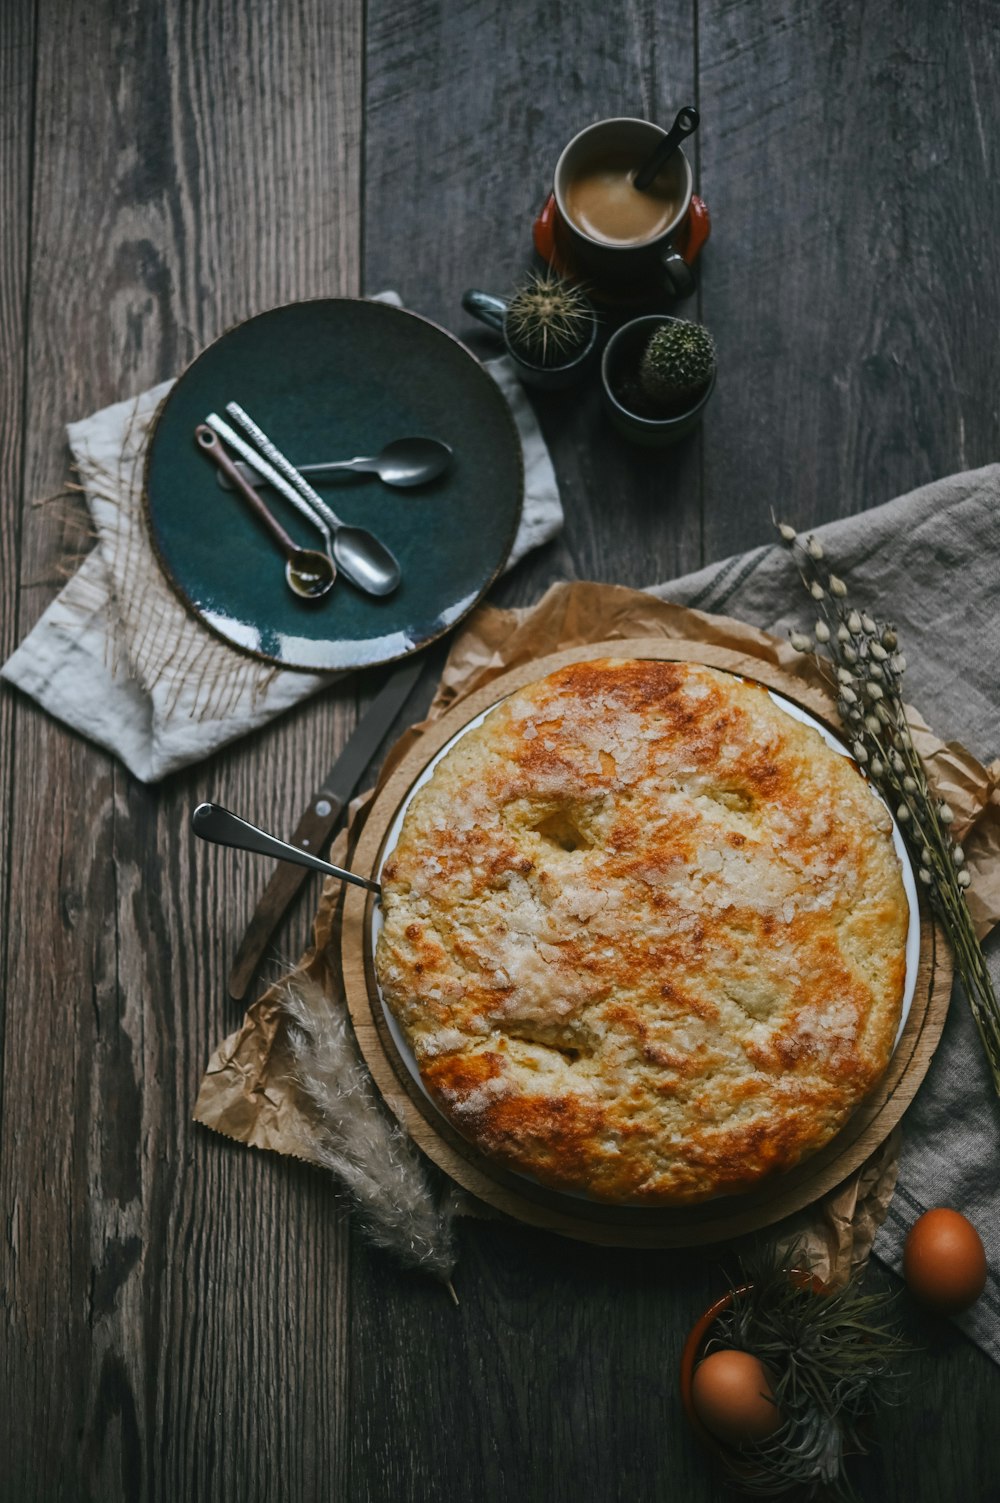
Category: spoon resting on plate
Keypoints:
(361, 557)
(308, 572)
(403, 464)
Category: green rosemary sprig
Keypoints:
(861, 656)
(828, 1355)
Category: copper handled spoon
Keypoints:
(310, 574)
(212, 822)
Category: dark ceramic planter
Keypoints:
(621, 358)
(492, 311)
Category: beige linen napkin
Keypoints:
(116, 655)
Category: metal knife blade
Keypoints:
(317, 823)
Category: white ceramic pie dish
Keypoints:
(392, 836)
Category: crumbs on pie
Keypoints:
(644, 933)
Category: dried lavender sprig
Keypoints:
(860, 656)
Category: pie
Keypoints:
(645, 934)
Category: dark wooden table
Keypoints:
(183, 1319)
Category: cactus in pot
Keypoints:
(657, 374)
(677, 363)
(548, 321)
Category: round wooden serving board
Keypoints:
(714, 1220)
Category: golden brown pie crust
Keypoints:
(645, 933)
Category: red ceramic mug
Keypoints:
(622, 257)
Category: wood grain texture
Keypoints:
(17, 59)
(191, 166)
(849, 157)
(181, 1319)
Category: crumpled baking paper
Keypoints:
(247, 1092)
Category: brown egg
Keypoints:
(944, 1262)
(733, 1397)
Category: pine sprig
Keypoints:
(860, 655)
(828, 1355)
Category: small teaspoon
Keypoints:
(361, 557)
(309, 573)
(403, 464)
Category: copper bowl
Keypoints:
(735, 1462)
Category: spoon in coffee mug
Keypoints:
(685, 124)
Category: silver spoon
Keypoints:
(361, 557)
(308, 572)
(404, 463)
(212, 822)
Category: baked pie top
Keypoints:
(645, 933)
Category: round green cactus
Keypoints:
(548, 320)
(677, 362)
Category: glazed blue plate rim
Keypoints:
(335, 655)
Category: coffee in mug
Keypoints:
(603, 202)
(615, 235)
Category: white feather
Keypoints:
(359, 1142)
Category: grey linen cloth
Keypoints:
(930, 562)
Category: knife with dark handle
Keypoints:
(318, 822)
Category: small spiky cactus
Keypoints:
(548, 320)
(677, 362)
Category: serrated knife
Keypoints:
(317, 823)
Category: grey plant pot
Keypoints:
(622, 353)
(492, 311)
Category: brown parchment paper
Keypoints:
(247, 1092)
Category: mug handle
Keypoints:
(677, 273)
(695, 230)
(692, 236)
(490, 310)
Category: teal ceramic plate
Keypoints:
(328, 380)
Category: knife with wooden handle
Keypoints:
(318, 822)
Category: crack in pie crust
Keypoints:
(645, 934)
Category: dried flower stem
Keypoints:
(861, 656)
(357, 1140)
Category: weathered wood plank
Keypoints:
(180, 1307)
(16, 107)
(849, 159)
(17, 55)
(468, 107)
